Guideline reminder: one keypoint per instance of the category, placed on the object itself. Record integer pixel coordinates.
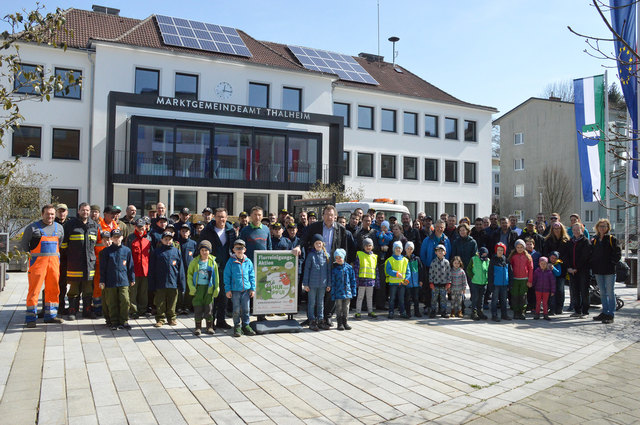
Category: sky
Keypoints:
(490, 52)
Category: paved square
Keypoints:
(413, 371)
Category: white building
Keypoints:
(255, 125)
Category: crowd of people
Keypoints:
(101, 264)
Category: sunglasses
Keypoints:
(553, 218)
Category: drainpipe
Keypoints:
(91, 112)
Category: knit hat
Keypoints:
(204, 244)
(545, 259)
(397, 244)
(554, 254)
(520, 242)
(384, 224)
(317, 237)
(340, 253)
(409, 244)
(441, 247)
(367, 241)
(483, 252)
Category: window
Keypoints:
(66, 196)
(431, 209)
(187, 86)
(450, 208)
(256, 199)
(66, 144)
(280, 201)
(412, 207)
(291, 199)
(451, 128)
(69, 79)
(185, 198)
(518, 139)
(343, 110)
(220, 200)
(518, 190)
(292, 99)
(431, 125)
(143, 199)
(470, 211)
(388, 122)
(365, 164)
(470, 172)
(451, 171)
(431, 169)
(26, 77)
(147, 81)
(191, 148)
(303, 159)
(346, 163)
(410, 168)
(496, 178)
(365, 117)
(588, 215)
(25, 136)
(496, 190)
(410, 123)
(259, 95)
(518, 214)
(469, 131)
(388, 166)
(518, 164)
(269, 157)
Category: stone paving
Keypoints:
(446, 371)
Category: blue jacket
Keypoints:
(283, 243)
(188, 250)
(343, 282)
(428, 249)
(116, 266)
(317, 270)
(239, 275)
(417, 272)
(499, 271)
(166, 270)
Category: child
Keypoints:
(343, 288)
(416, 281)
(116, 274)
(477, 271)
(166, 277)
(544, 282)
(498, 276)
(240, 283)
(556, 299)
(97, 292)
(458, 286)
(397, 270)
(366, 271)
(522, 265)
(141, 247)
(188, 249)
(535, 256)
(202, 280)
(317, 281)
(384, 236)
(439, 282)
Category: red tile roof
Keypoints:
(87, 26)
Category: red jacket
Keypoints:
(141, 250)
(522, 266)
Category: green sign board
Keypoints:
(276, 282)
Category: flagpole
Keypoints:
(607, 167)
(630, 164)
(627, 173)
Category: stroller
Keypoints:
(622, 273)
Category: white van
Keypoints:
(346, 208)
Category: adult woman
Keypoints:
(578, 263)
(605, 255)
(557, 240)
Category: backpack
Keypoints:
(622, 271)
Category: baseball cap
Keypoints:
(116, 232)
(171, 226)
(185, 210)
(162, 217)
(530, 222)
(291, 226)
(112, 209)
(311, 214)
(140, 222)
(105, 234)
(61, 207)
(165, 234)
(243, 214)
(284, 211)
(207, 210)
(239, 242)
(276, 225)
(146, 219)
(441, 247)
(185, 226)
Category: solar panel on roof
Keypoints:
(344, 66)
(201, 35)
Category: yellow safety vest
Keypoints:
(399, 266)
(368, 264)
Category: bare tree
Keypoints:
(341, 192)
(556, 191)
(495, 141)
(563, 90)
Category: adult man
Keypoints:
(128, 223)
(379, 220)
(185, 215)
(354, 223)
(153, 213)
(207, 215)
(428, 253)
(505, 235)
(303, 222)
(243, 219)
(62, 217)
(359, 212)
(478, 234)
(427, 227)
(530, 231)
(365, 231)
(335, 236)
(492, 229)
(94, 213)
(161, 210)
(513, 224)
(312, 217)
(221, 238)
(281, 215)
(575, 218)
(451, 229)
(105, 224)
(62, 214)
(79, 244)
(42, 239)
(409, 232)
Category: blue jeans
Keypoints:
(499, 294)
(608, 296)
(396, 291)
(315, 306)
(240, 301)
(477, 295)
(556, 301)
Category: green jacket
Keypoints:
(212, 269)
(478, 270)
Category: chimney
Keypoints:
(106, 10)
(370, 57)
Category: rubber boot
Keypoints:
(198, 330)
(340, 325)
(74, 306)
(210, 330)
(345, 324)
(86, 306)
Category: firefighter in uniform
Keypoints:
(42, 239)
(105, 224)
(80, 238)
